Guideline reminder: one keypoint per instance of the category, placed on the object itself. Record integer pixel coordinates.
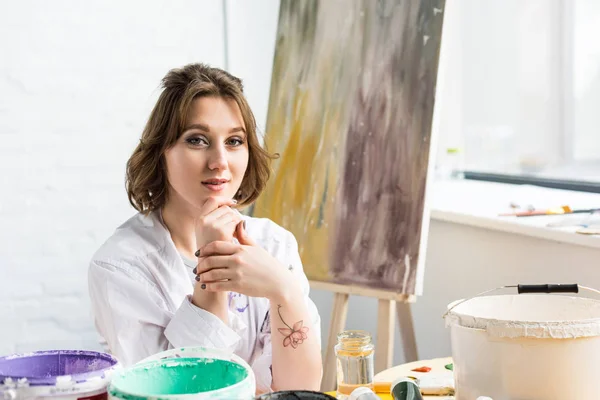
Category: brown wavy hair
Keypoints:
(146, 178)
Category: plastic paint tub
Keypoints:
(296, 395)
(186, 373)
(58, 374)
(530, 347)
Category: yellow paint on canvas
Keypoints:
(306, 126)
(306, 171)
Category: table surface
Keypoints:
(437, 365)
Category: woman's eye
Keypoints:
(196, 141)
(235, 142)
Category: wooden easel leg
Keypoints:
(384, 350)
(338, 322)
(407, 332)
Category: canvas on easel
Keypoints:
(350, 113)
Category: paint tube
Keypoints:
(363, 393)
(405, 389)
(436, 384)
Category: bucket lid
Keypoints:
(534, 316)
(56, 366)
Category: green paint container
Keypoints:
(186, 373)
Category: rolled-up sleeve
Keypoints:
(131, 315)
(192, 325)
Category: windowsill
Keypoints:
(478, 204)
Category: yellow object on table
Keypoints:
(437, 365)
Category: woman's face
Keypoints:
(211, 156)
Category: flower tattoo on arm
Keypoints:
(295, 335)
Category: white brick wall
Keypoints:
(77, 81)
(252, 28)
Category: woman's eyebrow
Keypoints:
(201, 127)
(238, 129)
(205, 128)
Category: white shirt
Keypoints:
(140, 289)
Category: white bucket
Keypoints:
(526, 347)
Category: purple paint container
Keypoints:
(59, 374)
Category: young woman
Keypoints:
(189, 269)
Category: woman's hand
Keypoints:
(217, 221)
(245, 268)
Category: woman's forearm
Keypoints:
(296, 362)
(214, 303)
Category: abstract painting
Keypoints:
(350, 113)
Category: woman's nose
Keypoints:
(217, 158)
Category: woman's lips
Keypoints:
(215, 185)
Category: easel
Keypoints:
(389, 304)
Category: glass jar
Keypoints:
(354, 353)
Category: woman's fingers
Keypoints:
(219, 224)
(218, 274)
(215, 215)
(219, 248)
(242, 235)
(218, 213)
(222, 216)
(208, 263)
(215, 202)
(228, 217)
(224, 286)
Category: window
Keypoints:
(519, 89)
